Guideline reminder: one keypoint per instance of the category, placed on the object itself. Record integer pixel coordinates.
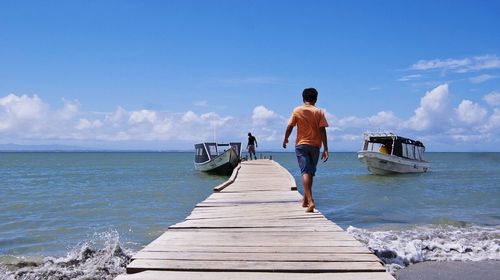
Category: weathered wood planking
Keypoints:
(190, 275)
(253, 227)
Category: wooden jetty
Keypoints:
(253, 227)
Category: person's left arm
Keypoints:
(324, 139)
(322, 129)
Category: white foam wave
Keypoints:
(400, 248)
(100, 258)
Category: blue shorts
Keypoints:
(308, 157)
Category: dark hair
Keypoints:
(310, 94)
(249, 134)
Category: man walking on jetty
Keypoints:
(252, 144)
(311, 133)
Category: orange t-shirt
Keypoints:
(309, 119)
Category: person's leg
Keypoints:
(312, 160)
(307, 182)
(252, 151)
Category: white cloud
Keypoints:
(25, 117)
(261, 115)
(483, 62)
(23, 107)
(464, 65)
(118, 116)
(410, 77)
(163, 128)
(349, 130)
(482, 78)
(351, 121)
(434, 120)
(440, 64)
(22, 113)
(470, 112)
(432, 109)
(493, 98)
(87, 124)
(384, 119)
(69, 110)
(269, 134)
(142, 116)
(190, 117)
(493, 123)
(214, 119)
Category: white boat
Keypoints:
(217, 158)
(387, 153)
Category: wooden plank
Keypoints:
(247, 242)
(190, 275)
(257, 266)
(257, 237)
(257, 249)
(246, 256)
(257, 215)
(222, 234)
(262, 242)
(297, 217)
(298, 229)
(268, 208)
(246, 224)
(261, 213)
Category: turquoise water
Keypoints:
(52, 201)
(58, 205)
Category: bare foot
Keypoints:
(310, 208)
(304, 203)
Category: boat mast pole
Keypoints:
(215, 136)
(393, 144)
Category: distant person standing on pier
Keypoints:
(311, 133)
(252, 144)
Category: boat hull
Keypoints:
(222, 164)
(383, 164)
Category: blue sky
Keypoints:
(162, 74)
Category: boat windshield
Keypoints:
(212, 149)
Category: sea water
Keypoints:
(82, 215)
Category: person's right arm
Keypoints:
(288, 131)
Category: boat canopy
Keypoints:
(395, 145)
(209, 150)
(402, 140)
